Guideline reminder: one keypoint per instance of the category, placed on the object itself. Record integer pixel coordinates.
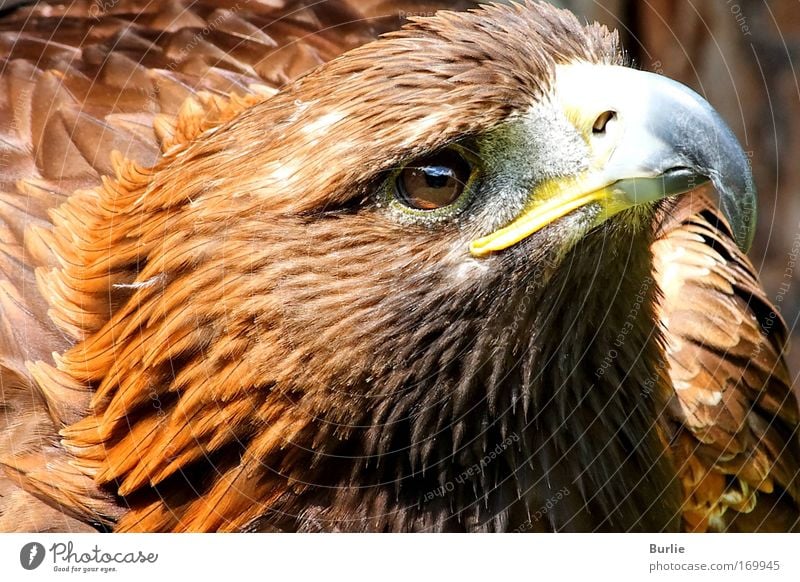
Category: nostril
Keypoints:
(602, 121)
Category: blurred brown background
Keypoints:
(744, 57)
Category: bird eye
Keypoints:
(434, 181)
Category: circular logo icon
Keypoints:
(31, 555)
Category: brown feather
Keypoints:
(179, 303)
(735, 413)
(88, 92)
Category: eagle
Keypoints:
(297, 266)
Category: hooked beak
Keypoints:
(649, 137)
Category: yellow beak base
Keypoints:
(537, 217)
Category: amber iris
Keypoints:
(434, 181)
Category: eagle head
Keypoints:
(384, 297)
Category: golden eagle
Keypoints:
(292, 266)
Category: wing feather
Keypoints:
(734, 415)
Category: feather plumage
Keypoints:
(180, 307)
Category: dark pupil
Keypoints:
(433, 182)
(437, 176)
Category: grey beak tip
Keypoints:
(705, 143)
